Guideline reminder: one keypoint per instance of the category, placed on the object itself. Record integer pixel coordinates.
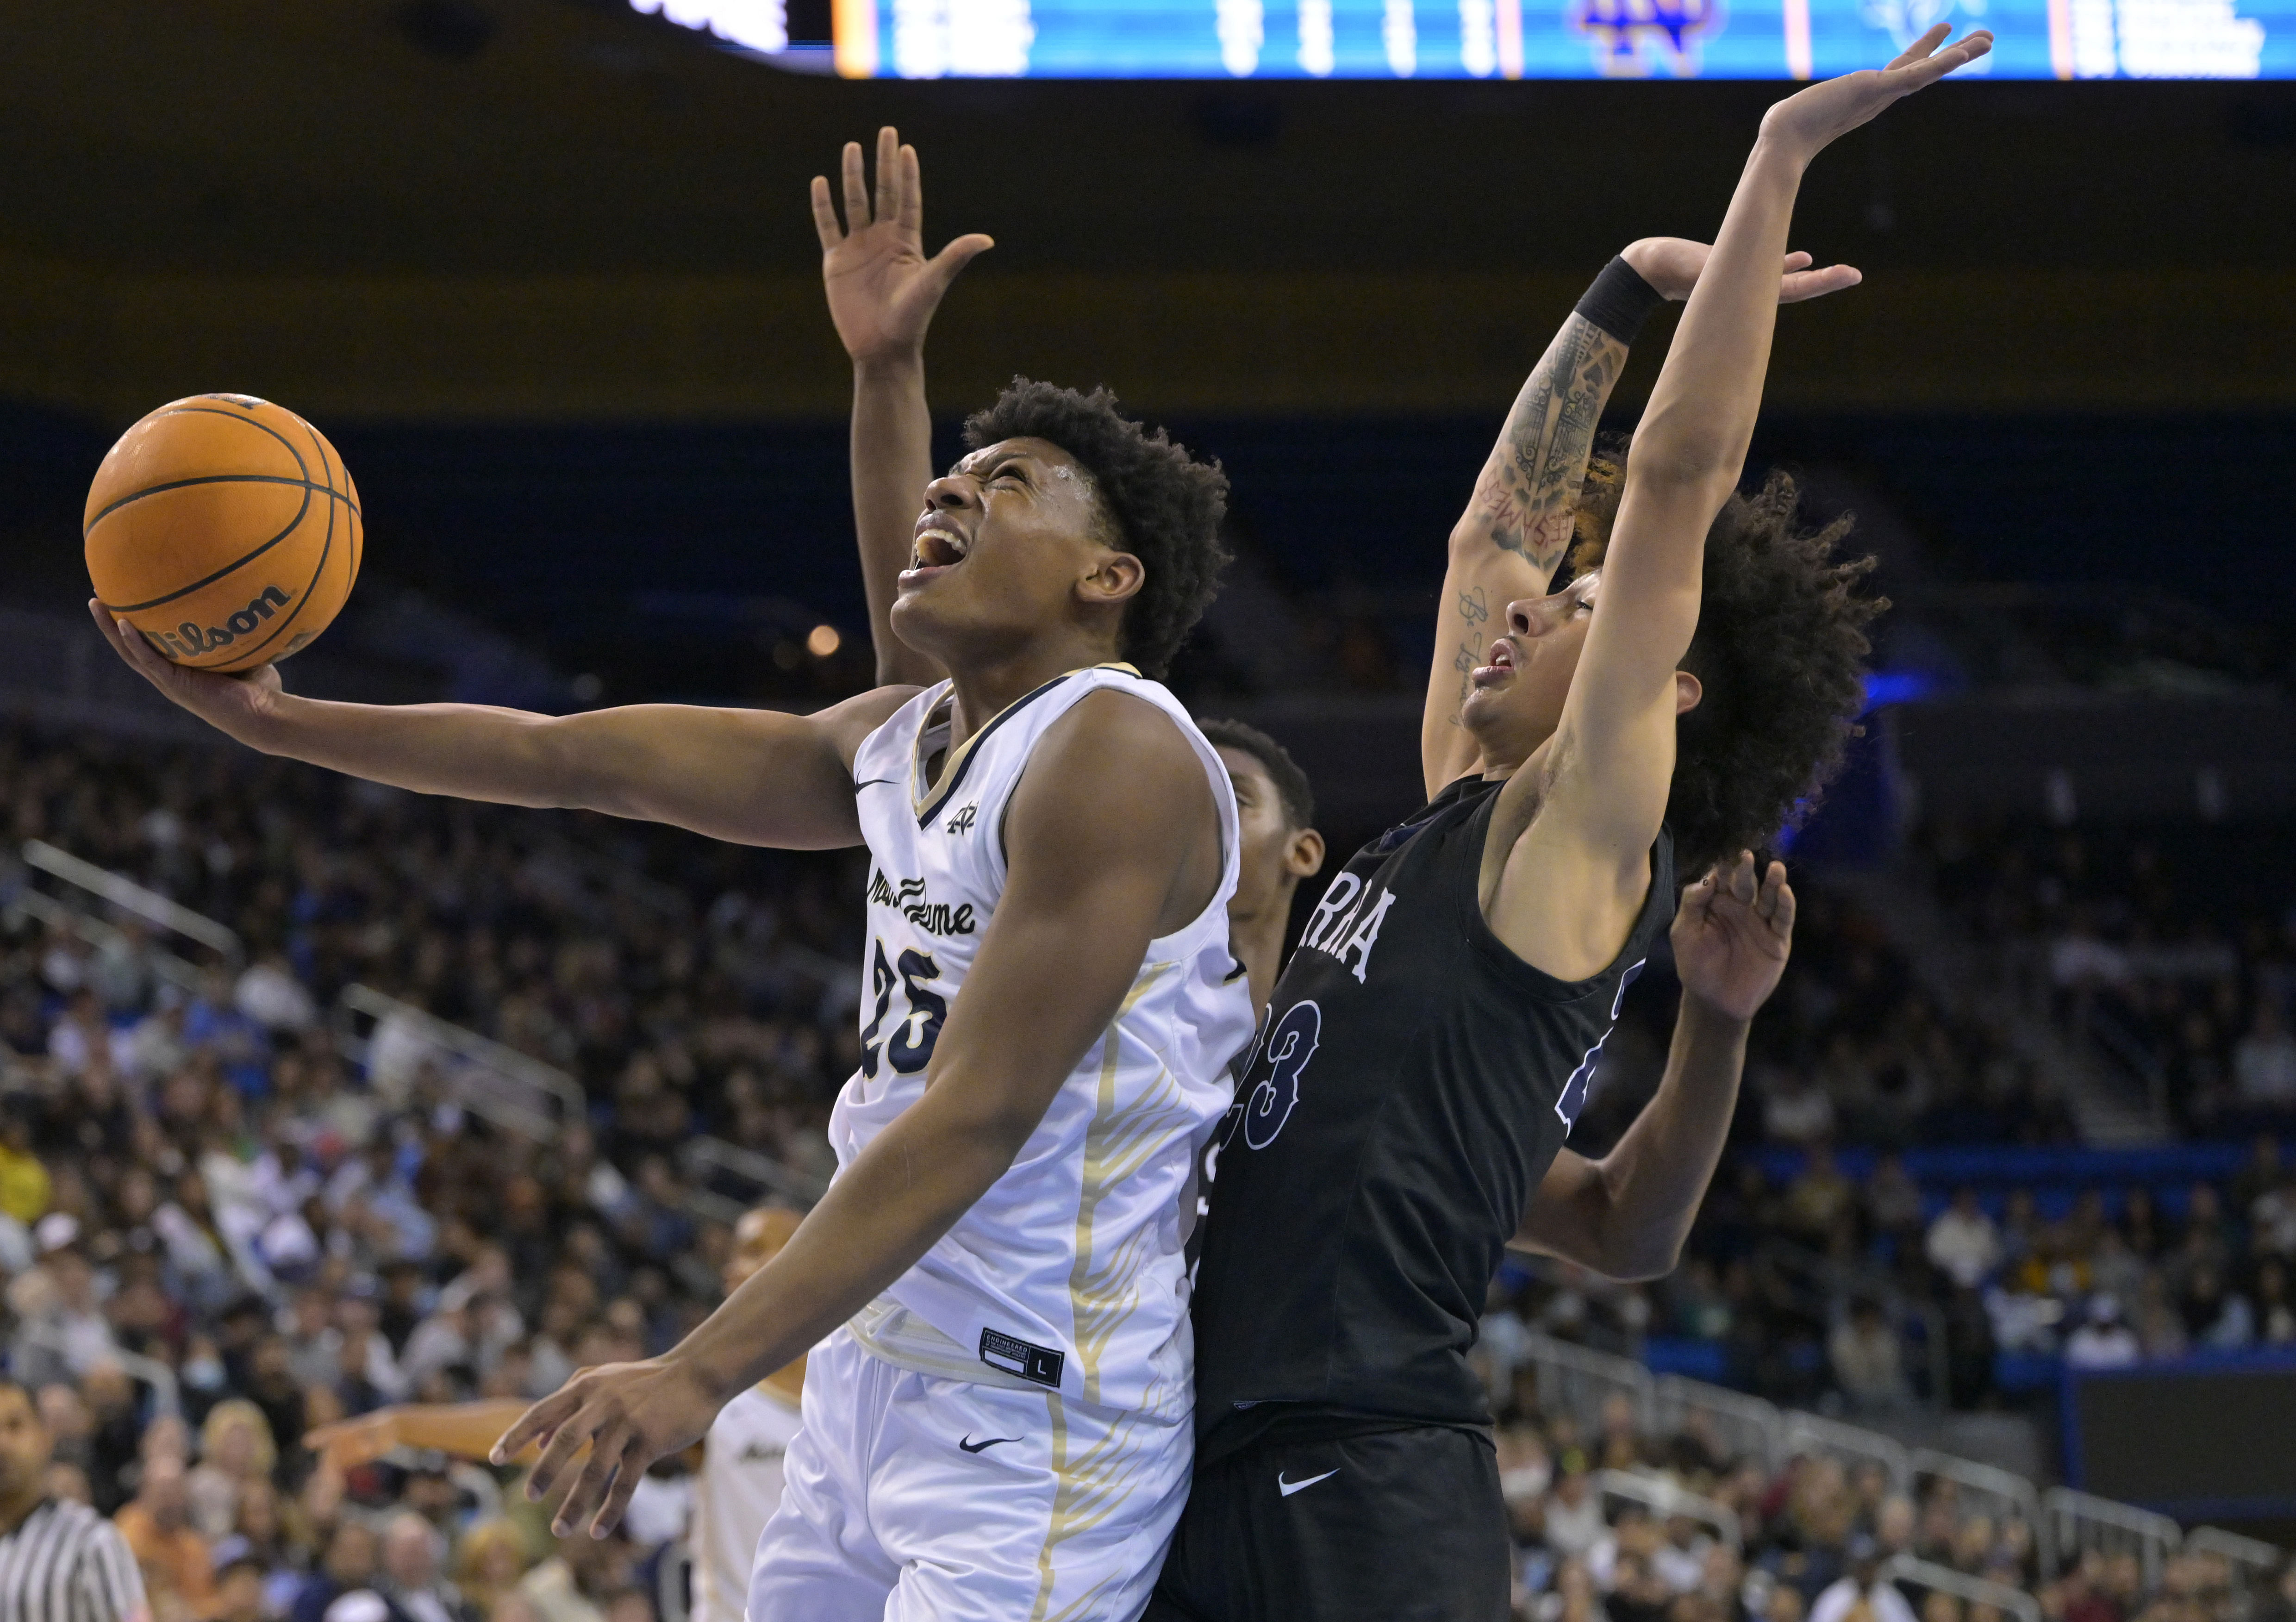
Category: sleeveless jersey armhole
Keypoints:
(1501, 960)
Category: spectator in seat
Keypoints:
(2276, 1310)
(2103, 1341)
(411, 1579)
(1795, 1109)
(348, 1567)
(239, 1590)
(2217, 1319)
(1574, 1510)
(1863, 1594)
(1963, 1243)
(178, 1566)
(1868, 1363)
(235, 1449)
(1820, 1200)
(2264, 1061)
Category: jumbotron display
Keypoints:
(1779, 39)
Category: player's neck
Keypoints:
(1258, 939)
(984, 686)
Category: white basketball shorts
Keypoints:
(918, 1499)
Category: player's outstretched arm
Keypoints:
(1564, 894)
(1114, 839)
(882, 293)
(751, 777)
(467, 1430)
(1519, 521)
(1509, 541)
(1626, 1216)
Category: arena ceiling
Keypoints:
(558, 208)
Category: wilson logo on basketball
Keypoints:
(187, 639)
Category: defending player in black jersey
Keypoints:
(1430, 1045)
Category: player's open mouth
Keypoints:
(937, 550)
(1498, 666)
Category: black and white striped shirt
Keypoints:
(66, 1563)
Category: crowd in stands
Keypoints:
(195, 1173)
(193, 1177)
(2170, 951)
(1814, 1536)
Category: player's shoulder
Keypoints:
(1115, 760)
(848, 723)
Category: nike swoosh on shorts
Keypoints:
(1289, 1487)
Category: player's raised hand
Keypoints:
(882, 289)
(1732, 935)
(234, 703)
(1805, 122)
(348, 1443)
(627, 1416)
(1671, 264)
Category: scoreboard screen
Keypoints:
(1776, 39)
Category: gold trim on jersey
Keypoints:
(1116, 1144)
(927, 805)
(1091, 1488)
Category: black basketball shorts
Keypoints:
(1398, 1525)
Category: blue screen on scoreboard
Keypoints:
(1776, 39)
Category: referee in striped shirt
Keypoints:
(60, 1561)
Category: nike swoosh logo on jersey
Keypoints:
(872, 782)
(970, 1445)
(1289, 1487)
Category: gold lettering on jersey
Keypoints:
(911, 901)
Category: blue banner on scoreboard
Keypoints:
(1554, 38)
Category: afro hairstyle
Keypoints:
(1292, 784)
(1780, 653)
(1164, 505)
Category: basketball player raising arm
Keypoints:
(1036, 824)
(1430, 1043)
(883, 294)
(1625, 1218)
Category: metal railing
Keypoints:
(2255, 1558)
(130, 896)
(2071, 1522)
(1665, 1500)
(2000, 1493)
(1974, 1590)
(29, 902)
(710, 1164)
(1575, 1380)
(1745, 1426)
(1808, 1433)
(167, 1397)
(509, 1088)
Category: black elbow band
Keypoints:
(1619, 301)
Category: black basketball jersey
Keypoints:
(1409, 1088)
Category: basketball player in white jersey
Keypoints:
(998, 1423)
(739, 1484)
(883, 292)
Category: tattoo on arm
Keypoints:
(1525, 498)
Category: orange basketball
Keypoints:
(225, 529)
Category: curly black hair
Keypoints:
(1292, 784)
(1164, 505)
(1780, 650)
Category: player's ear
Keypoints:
(1687, 692)
(1116, 576)
(1303, 858)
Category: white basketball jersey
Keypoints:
(1067, 1274)
(739, 1488)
